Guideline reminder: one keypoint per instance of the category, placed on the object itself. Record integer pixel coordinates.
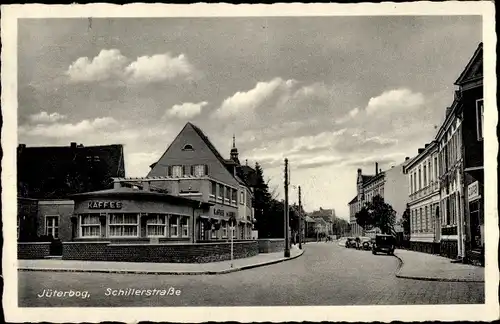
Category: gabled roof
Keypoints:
(366, 178)
(473, 69)
(355, 199)
(54, 172)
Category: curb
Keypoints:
(180, 273)
(400, 268)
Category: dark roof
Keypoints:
(355, 199)
(242, 174)
(54, 172)
(249, 175)
(475, 57)
(366, 178)
(140, 194)
(374, 178)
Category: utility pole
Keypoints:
(287, 243)
(300, 220)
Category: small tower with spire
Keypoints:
(234, 152)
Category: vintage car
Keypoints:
(350, 242)
(365, 243)
(383, 243)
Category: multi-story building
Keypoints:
(423, 183)
(470, 109)
(390, 185)
(192, 167)
(449, 142)
(48, 175)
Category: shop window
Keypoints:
(185, 226)
(480, 118)
(156, 226)
(213, 189)
(214, 233)
(177, 171)
(52, 226)
(124, 225)
(90, 226)
(174, 226)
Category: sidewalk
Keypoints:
(424, 266)
(157, 268)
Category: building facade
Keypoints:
(450, 156)
(423, 183)
(391, 185)
(191, 167)
(471, 111)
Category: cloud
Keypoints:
(186, 110)
(158, 67)
(394, 101)
(106, 65)
(59, 130)
(356, 140)
(350, 115)
(111, 65)
(250, 100)
(44, 117)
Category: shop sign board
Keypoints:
(473, 191)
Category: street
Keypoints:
(327, 274)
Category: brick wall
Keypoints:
(271, 245)
(33, 250)
(175, 253)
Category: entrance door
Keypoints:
(475, 225)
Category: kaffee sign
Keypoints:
(104, 205)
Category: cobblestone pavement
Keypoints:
(326, 274)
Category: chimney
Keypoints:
(420, 150)
(448, 110)
(376, 168)
(407, 158)
(73, 145)
(426, 145)
(359, 171)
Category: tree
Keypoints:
(377, 213)
(262, 202)
(406, 221)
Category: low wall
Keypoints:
(33, 250)
(159, 253)
(271, 245)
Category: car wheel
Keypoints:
(373, 252)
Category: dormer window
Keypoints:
(188, 147)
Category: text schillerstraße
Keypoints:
(171, 291)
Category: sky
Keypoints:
(331, 94)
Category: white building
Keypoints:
(423, 183)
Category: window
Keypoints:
(415, 182)
(420, 221)
(426, 219)
(186, 170)
(435, 167)
(177, 171)
(124, 225)
(425, 175)
(199, 170)
(156, 226)
(242, 197)
(234, 196)
(411, 183)
(52, 226)
(90, 226)
(213, 190)
(18, 222)
(480, 119)
(213, 233)
(224, 229)
(430, 171)
(227, 194)
(419, 179)
(185, 226)
(174, 225)
(249, 199)
(187, 147)
(220, 192)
